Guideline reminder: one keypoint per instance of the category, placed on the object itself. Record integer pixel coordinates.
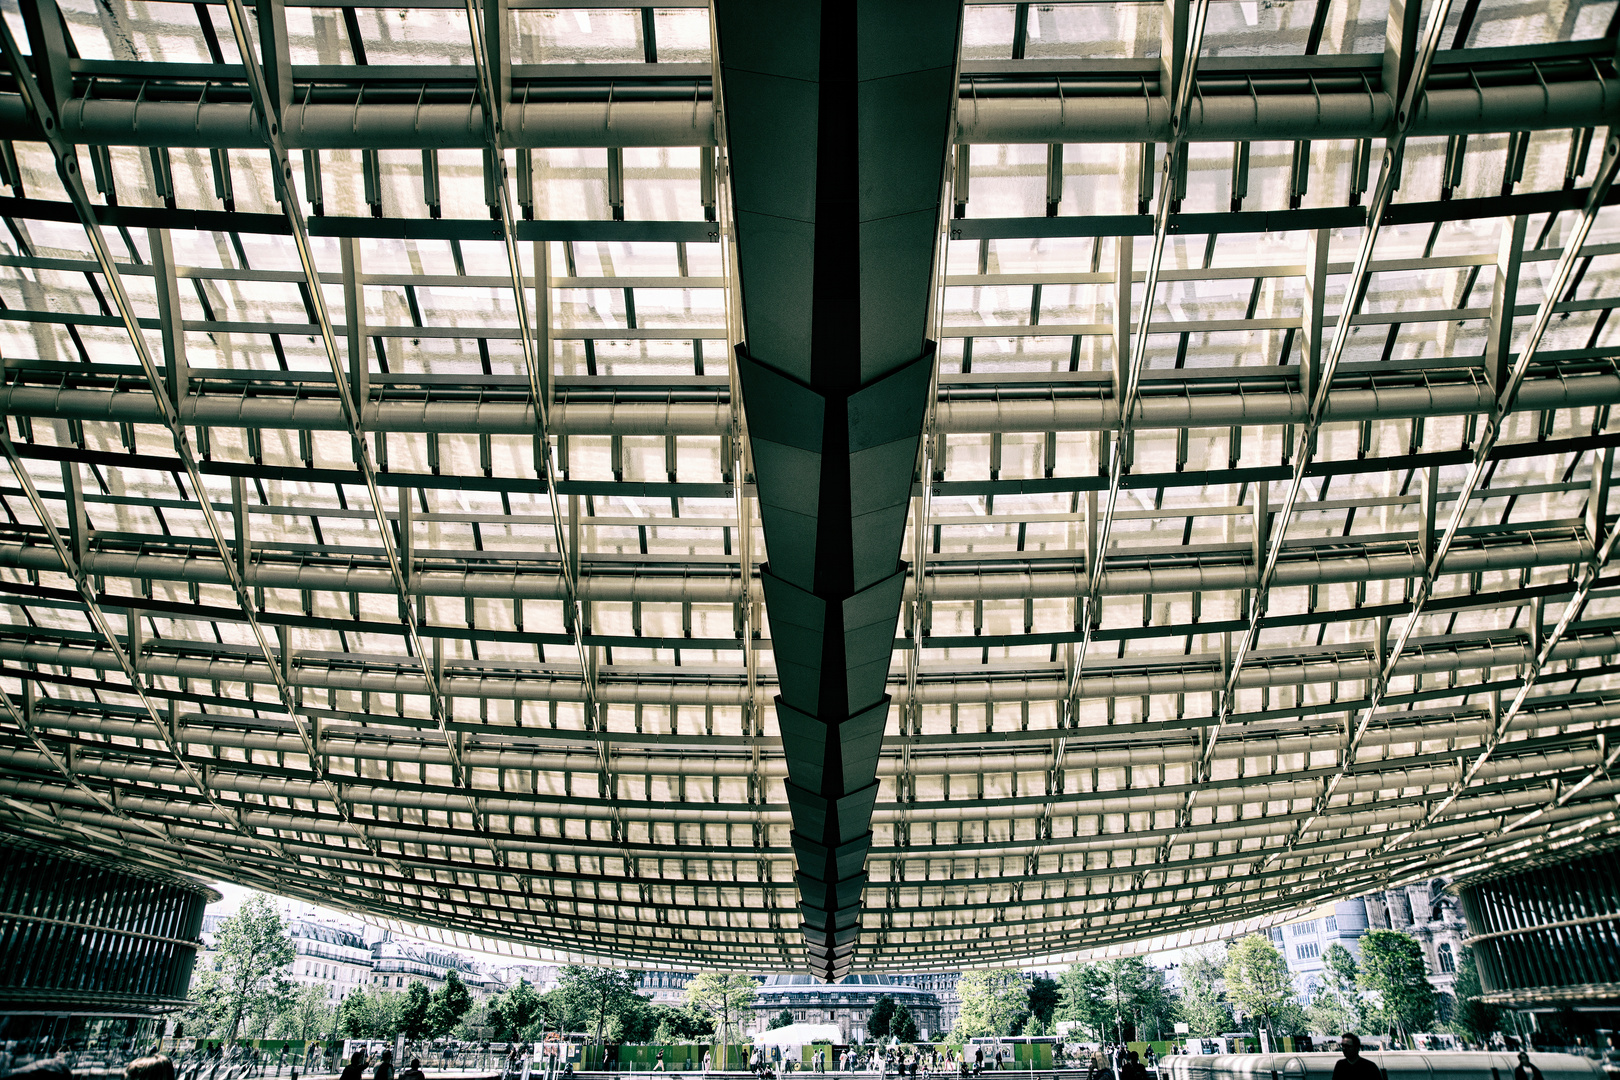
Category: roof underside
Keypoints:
(1250, 564)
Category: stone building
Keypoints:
(847, 1002)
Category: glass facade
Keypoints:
(1550, 934)
(89, 936)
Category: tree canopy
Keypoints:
(1103, 998)
(591, 996)
(723, 997)
(1474, 1020)
(254, 952)
(1336, 1005)
(413, 1011)
(1044, 995)
(881, 1016)
(780, 1020)
(904, 1026)
(1203, 1002)
(1392, 969)
(450, 1003)
(369, 1014)
(994, 1002)
(1258, 981)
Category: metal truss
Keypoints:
(380, 522)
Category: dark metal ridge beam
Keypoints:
(838, 128)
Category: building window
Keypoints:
(1309, 950)
(1448, 963)
(1331, 924)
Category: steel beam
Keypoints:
(837, 140)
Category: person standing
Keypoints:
(385, 1067)
(1526, 1069)
(707, 1059)
(356, 1068)
(414, 1072)
(1354, 1066)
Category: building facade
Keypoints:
(1426, 912)
(665, 987)
(942, 984)
(335, 957)
(847, 1002)
(396, 964)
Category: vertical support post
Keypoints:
(1090, 525)
(1261, 533)
(354, 311)
(244, 534)
(177, 372)
(615, 182)
(1504, 298)
(43, 21)
(407, 537)
(1172, 47)
(133, 642)
(284, 640)
(276, 56)
(959, 180)
(1401, 46)
(1428, 510)
(78, 522)
(542, 320)
(1123, 259)
(1597, 501)
(497, 53)
(1054, 178)
(1310, 354)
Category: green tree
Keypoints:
(413, 1011)
(449, 1004)
(1044, 995)
(1335, 1005)
(254, 952)
(904, 1026)
(881, 1018)
(636, 1022)
(512, 1011)
(681, 1025)
(308, 1015)
(1258, 980)
(1392, 968)
(725, 998)
(369, 1014)
(1474, 1021)
(204, 1013)
(1134, 992)
(994, 1002)
(593, 995)
(1084, 999)
(1203, 998)
(780, 1020)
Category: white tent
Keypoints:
(795, 1036)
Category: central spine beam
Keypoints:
(838, 122)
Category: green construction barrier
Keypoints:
(678, 1057)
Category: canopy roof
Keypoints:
(1249, 564)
